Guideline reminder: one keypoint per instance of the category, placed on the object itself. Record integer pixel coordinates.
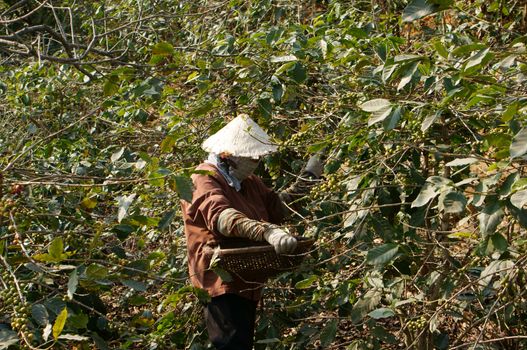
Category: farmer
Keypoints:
(229, 204)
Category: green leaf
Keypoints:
(60, 321)
(453, 202)
(498, 140)
(138, 286)
(79, 321)
(519, 199)
(510, 112)
(480, 57)
(375, 105)
(407, 75)
(520, 184)
(440, 48)
(96, 272)
(168, 143)
(223, 274)
(184, 187)
(265, 107)
(163, 49)
(519, 144)
(73, 282)
(382, 254)
(124, 203)
(298, 73)
(465, 49)
(490, 218)
(382, 312)
(328, 333)
(111, 86)
(56, 249)
(158, 177)
(497, 243)
(89, 202)
(278, 92)
(391, 122)
(39, 313)
(285, 67)
(306, 283)
(166, 220)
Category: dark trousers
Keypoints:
(230, 322)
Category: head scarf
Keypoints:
(234, 175)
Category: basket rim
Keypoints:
(302, 241)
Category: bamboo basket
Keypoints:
(261, 259)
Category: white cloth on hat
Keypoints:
(241, 137)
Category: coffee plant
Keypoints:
(418, 108)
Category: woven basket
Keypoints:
(261, 259)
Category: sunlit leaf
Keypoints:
(427, 193)
(519, 199)
(462, 161)
(73, 282)
(430, 119)
(379, 116)
(417, 9)
(519, 144)
(375, 105)
(477, 59)
(7, 338)
(60, 321)
(124, 203)
(286, 58)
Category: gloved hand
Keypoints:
(314, 166)
(282, 242)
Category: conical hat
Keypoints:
(241, 137)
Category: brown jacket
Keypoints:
(210, 197)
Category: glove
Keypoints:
(314, 166)
(282, 242)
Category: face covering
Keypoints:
(242, 167)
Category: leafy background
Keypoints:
(419, 107)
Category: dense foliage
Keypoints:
(418, 106)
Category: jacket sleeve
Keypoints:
(208, 201)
